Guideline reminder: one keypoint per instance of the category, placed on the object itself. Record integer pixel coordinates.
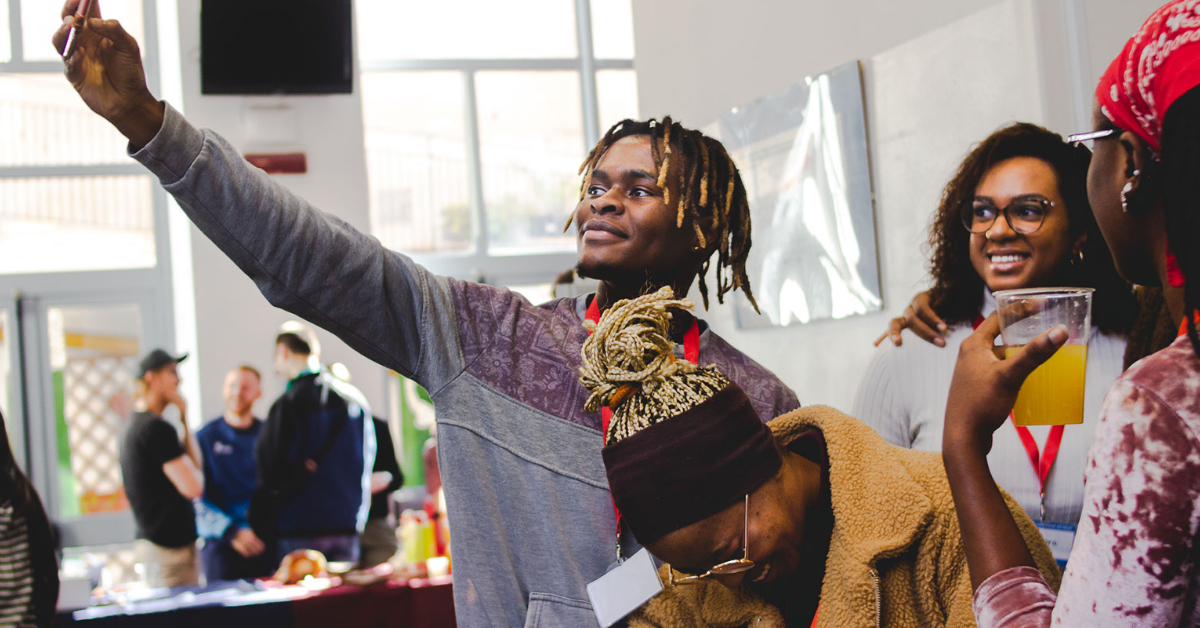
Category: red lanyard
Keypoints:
(1183, 325)
(1042, 461)
(691, 353)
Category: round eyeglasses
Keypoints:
(1023, 215)
(727, 568)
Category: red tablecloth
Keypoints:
(415, 603)
(394, 604)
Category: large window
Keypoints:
(476, 116)
(85, 284)
(69, 198)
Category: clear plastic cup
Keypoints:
(1053, 393)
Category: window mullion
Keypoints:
(16, 36)
(150, 58)
(587, 74)
(475, 165)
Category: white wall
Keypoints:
(697, 58)
(939, 76)
(234, 323)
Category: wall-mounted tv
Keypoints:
(276, 47)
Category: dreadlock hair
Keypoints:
(629, 365)
(957, 292)
(708, 187)
(1179, 181)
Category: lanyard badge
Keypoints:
(622, 590)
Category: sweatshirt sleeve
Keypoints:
(307, 262)
(879, 402)
(275, 472)
(1014, 598)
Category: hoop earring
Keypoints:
(1077, 260)
(1126, 191)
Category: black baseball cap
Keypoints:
(157, 359)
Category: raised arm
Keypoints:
(982, 394)
(305, 261)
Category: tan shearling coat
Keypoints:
(895, 558)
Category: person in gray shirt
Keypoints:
(525, 486)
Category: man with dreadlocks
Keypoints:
(528, 499)
(812, 510)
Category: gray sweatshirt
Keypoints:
(531, 517)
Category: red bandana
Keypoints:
(1159, 64)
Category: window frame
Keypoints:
(479, 264)
(150, 287)
(160, 272)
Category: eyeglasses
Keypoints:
(1023, 215)
(727, 568)
(1090, 137)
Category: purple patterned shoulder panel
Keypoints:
(531, 354)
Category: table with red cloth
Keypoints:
(393, 603)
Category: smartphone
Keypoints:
(81, 11)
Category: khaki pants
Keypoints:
(167, 566)
(378, 542)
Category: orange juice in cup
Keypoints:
(1053, 393)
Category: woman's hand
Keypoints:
(982, 394)
(984, 388)
(105, 66)
(921, 319)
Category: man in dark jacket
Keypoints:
(314, 459)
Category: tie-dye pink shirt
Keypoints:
(1135, 554)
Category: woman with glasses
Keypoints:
(822, 521)
(1134, 562)
(1015, 215)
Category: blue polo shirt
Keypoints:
(229, 472)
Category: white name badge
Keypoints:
(622, 590)
(1060, 537)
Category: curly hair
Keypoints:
(709, 187)
(957, 292)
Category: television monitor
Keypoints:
(276, 47)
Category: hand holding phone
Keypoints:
(104, 65)
(84, 7)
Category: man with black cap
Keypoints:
(162, 475)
